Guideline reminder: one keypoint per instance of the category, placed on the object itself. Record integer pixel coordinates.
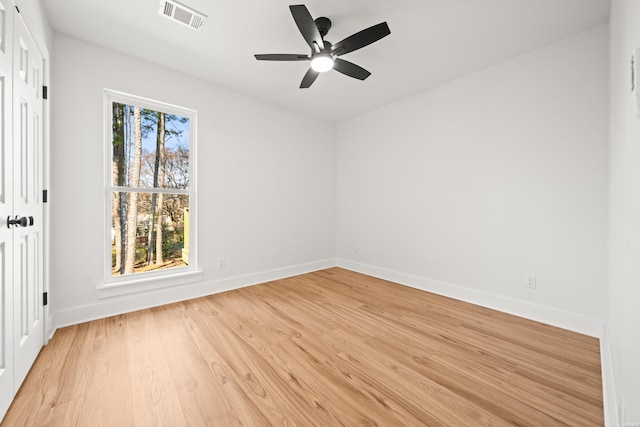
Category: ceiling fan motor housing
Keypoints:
(323, 24)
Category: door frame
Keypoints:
(49, 318)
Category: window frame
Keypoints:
(144, 281)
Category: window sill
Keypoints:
(149, 283)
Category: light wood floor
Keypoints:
(331, 348)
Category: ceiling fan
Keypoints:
(324, 55)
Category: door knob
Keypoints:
(19, 221)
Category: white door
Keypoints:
(28, 323)
(6, 207)
(21, 211)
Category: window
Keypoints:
(150, 197)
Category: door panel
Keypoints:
(29, 325)
(21, 284)
(6, 206)
(21, 247)
(20, 174)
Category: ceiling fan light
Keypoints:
(322, 62)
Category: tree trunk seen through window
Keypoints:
(134, 181)
(156, 198)
(118, 204)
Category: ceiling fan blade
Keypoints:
(350, 69)
(281, 57)
(361, 39)
(307, 27)
(309, 78)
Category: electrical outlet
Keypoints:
(222, 263)
(356, 250)
(530, 281)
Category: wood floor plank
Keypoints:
(107, 399)
(68, 371)
(575, 378)
(266, 385)
(445, 407)
(328, 348)
(202, 399)
(352, 406)
(157, 405)
(147, 361)
(66, 414)
(155, 399)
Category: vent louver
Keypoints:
(182, 14)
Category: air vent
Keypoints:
(182, 14)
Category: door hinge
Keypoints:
(17, 9)
(45, 92)
(45, 196)
(45, 298)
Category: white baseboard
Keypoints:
(133, 302)
(612, 417)
(50, 328)
(551, 316)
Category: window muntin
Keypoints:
(150, 188)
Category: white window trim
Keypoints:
(141, 282)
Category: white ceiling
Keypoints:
(431, 42)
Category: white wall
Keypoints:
(466, 188)
(266, 181)
(623, 319)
